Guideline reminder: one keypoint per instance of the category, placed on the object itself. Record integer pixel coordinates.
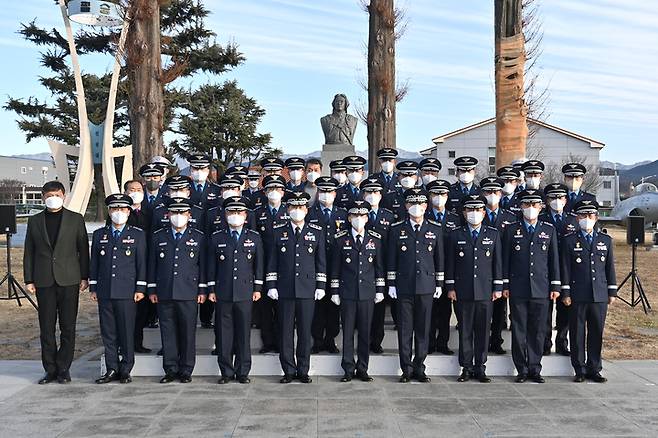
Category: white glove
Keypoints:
(335, 299)
(319, 294)
(392, 292)
(379, 298)
(273, 294)
(437, 293)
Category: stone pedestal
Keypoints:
(332, 152)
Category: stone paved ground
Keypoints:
(626, 406)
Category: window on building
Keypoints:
(451, 154)
(607, 204)
(44, 171)
(23, 170)
(607, 185)
(492, 169)
(492, 161)
(451, 171)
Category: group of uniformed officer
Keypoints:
(300, 257)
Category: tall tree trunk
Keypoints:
(509, 61)
(146, 97)
(381, 79)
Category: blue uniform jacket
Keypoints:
(357, 274)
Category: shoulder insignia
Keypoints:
(159, 230)
(433, 222)
(280, 225)
(340, 234)
(397, 223)
(374, 234)
(314, 226)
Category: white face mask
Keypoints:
(439, 201)
(408, 182)
(388, 166)
(274, 196)
(474, 218)
(493, 199)
(296, 175)
(509, 188)
(326, 198)
(253, 183)
(137, 197)
(573, 185)
(312, 176)
(359, 223)
(340, 177)
(466, 177)
(373, 199)
(119, 217)
(178, 220)
(417, 210)
(229, 193)
(235, 220)
(557, 204)
(355, 177)
(586, 224)
(532, 182)
(530, 213)
(54, 202)
(429, 178)
(179, 194)
(297, 214)
(200, 175)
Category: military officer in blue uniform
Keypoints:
(388, 177)
(296, 277)
(338, 172)
(510, 177)
(265, 218)
(235, 279)
(357, 282)
(533, 173)
(295, 167)
(474, 281)
(565, 223)
(215, 217)
(253, 192)
(574, 176)
(498, 218)
(355, 166)
(117, 280)
(415, 257)
(465, 185)
(152, 175)
(205, 193)
(379, 221)
(408, 179)
(179, 186)
(326, 318)
(176, 282)
(429, 170)
(531, 276)
(271, 166)
(441, 307)
(587, 296)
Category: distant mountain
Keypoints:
(622, 167)
(402, 154)
(634, 175)
(40, 156)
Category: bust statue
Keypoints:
(339, 127)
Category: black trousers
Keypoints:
(356, 315)
(117, 321)
(528, 333)
(178, 332)
(498, 322)
(326, 321)
(474, 323)
(205, 311)
(269, 326)
(377, 326)
(141, 320)
(152, 312)
(440, 326)
(586, 322)
(295, 313)
(561, 325)
(233, 334)
(414, 315)
(57, 302)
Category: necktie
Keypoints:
(558, 221)
(327, 215)
(358, 241)
(372, 216)
(572, 196)
(388, 179)
(465, 190)
(531, 230)
(178, 236)
(234, 234)
(589, 239)
(298, 232)
(356, 192)
(439, 217)
(151, 199)
(475, 235)
(492, 217)
(505, 202)
(274, 212)
(115, 234)
(416, 229)
(199, 188)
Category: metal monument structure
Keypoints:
(95, 140)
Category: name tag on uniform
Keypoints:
(162, 244)
(103, 241)
(461, 242)
(221, 245)
(403, 236)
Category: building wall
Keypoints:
(29, 171)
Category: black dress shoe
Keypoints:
(404, 378)
(521, 378)
(547, 350)
(64, 377)
(597, 377)
(465, 376)
(125, 378)
(364, 376)
(207, 325)
(423, 378)
(377, 349)
(159, 353)
(245, 380)
(315, 349)
(287, 378)
(185, 378)
(168, 378)
(109, 376)
(264, 350)
(47, 378)
(431, 349)
(142, 349)
(214, 352)
(153, 325)
(332, 348)
(537, 378)
(564, 351)
(347, 377)
(224, 380)
(444, 350)
(483, 378)
(304, 378)
(579, 378)
(497, 349)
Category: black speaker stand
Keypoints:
(14, 290)
(636, 285)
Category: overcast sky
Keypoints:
(599, 61)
